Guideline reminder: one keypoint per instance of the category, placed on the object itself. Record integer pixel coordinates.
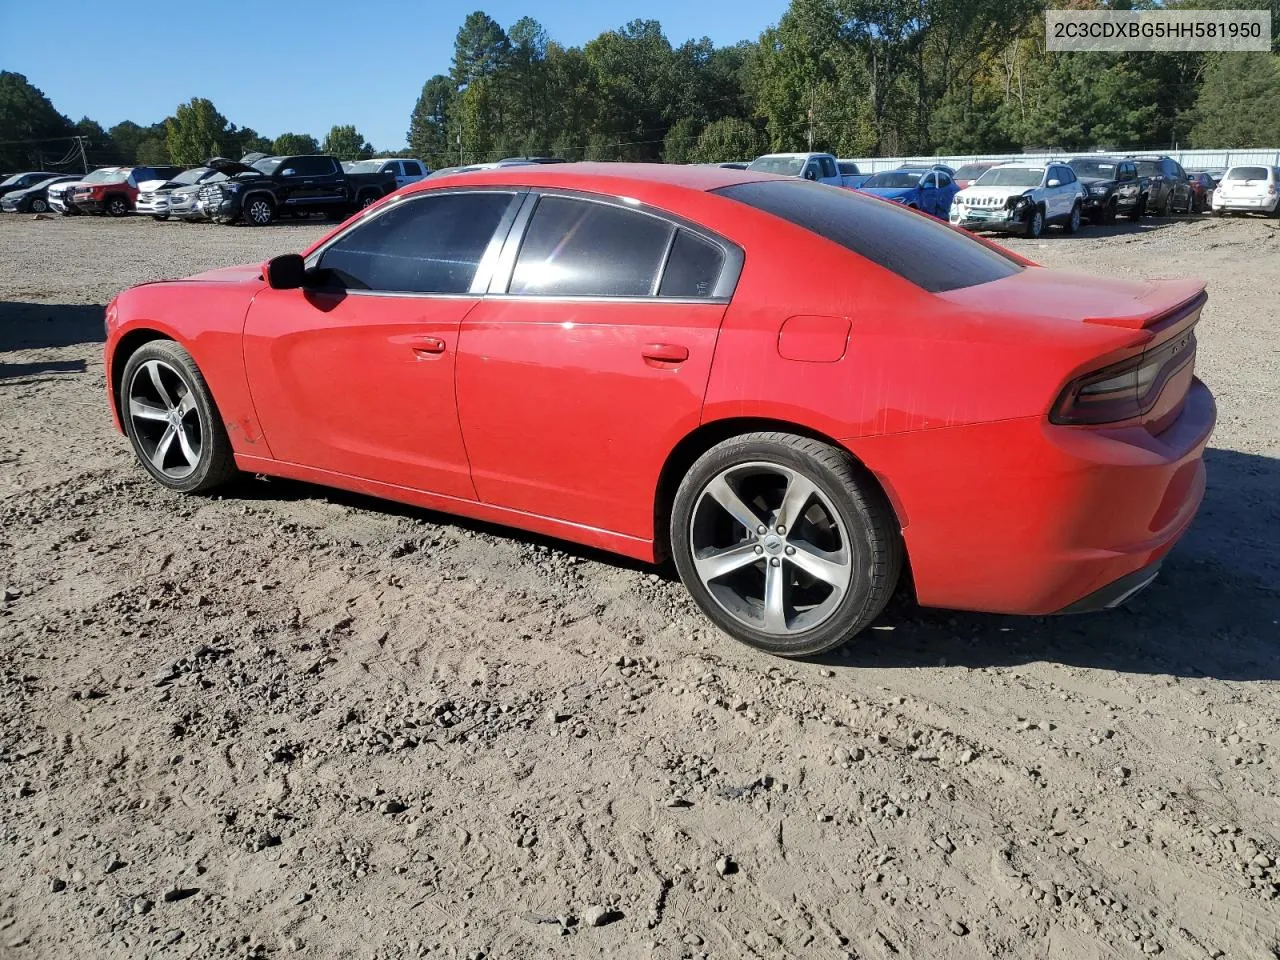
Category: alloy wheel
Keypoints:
(165, 419)
(770, 548)
(117, 207)
(38, 206)
(260, 212)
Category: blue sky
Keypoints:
(300, 66)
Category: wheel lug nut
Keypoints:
(775, 562)
(782, 528)
(759, 549)
(791, 551)
(762, 529)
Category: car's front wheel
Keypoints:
(172, 421)
(117, 206)
(39, 206)
(258, 212)
(783, 543)
(1035, 224)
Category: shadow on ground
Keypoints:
(30, 326)
(1213, 613)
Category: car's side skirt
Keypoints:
(620, 543)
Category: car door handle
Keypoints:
(665, 352)
(427, 345)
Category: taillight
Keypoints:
(1124, 390)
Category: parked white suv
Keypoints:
(1022, 198)
(1247, 189)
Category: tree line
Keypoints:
(853, 77)
(34, 135)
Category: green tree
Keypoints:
(153, 151)
(197, 131)
(29, 125)
(728, 139)
(431, 137)
(294, 145)
(681, 141)
(345, 143)
(479, 50)
(1239, 103)
(248, 140)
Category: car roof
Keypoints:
(599, 177)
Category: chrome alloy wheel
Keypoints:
(770, 548)
(166, 420)
(259, 212)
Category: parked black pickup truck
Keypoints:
(295, 186)
(1114, 187)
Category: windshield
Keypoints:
(191, 176)
(11, 181)
(786, 166)
(972, 171)
(895, 178)
(1101, 169)
(1011, 177)
(267, 165)
(1247, 173)
(362, 166)
(107, 175)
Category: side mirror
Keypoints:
(810, 175)
(1054, 183)
(288, 172)
(285, 272)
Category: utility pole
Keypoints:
(84, 160)
(460, 143)
(811, 103)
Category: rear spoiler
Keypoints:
(1178, 299)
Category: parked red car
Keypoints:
(792, 390)
(114, 190)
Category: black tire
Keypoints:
(1109, 215)
(216, 464)
(1138, 210)
(161, 217)
(1072, 223)
(38, 205)
(1165, 207)
(874, 543)
(258, 211)
(1035, 224)
(116, 206)
(367, 200)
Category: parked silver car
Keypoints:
(154, 196)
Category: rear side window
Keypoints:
(576, 248)
(429, 245)
(692, 268)
(917, 248)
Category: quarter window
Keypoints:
(576, 248)
(428, 245)
(693, 267)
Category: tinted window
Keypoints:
(828, 167)
(943, 180)
(575, 248)
(693, 267)
(412, 168)
(1247, 173)
(972, 171)
(429, 245)
(310, 166)
(919, 249)
(848, 169)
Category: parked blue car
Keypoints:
(929, 190)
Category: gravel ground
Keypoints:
(287, 720)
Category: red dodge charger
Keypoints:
(792, 390)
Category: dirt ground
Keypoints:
(287, 721)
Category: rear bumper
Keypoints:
(1024, 517)
(1246, 204)
(1116, 592)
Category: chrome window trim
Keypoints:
(726, 283)
(484, 269)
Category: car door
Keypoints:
(1126, 185)
(311, 181)
(828, 171)
(927, 191)
(1182, 198)
(590, 358)
(947, 191)
(354, 373)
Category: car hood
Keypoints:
(240, 273)
(230, 167)
(150, 186)
(1096, 181)
(187, 190)
(889, 193)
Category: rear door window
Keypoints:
(431, 244)
(579, 248)
(919, 249)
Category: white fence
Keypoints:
(1190, 159)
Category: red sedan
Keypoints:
(792, 390)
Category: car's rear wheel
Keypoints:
(1073, 221)
(39, 206)
(783, 544)
(172, 421)
(258, 212)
